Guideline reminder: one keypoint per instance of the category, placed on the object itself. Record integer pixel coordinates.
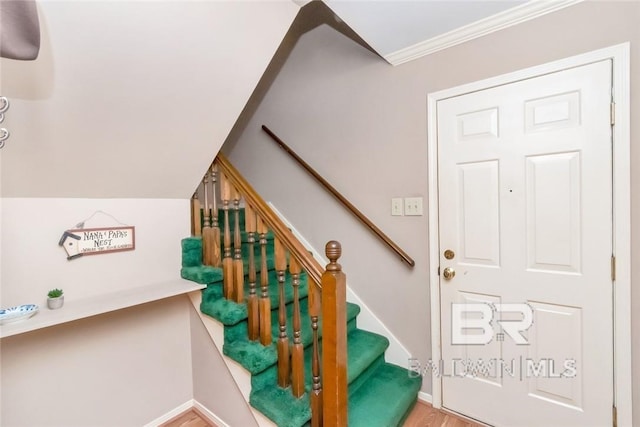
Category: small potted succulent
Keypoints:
(55, 298)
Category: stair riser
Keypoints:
(366, 374)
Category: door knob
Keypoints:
(449, 273)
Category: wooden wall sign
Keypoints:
(95, 241)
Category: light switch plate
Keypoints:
(413, 206)
(396, 206)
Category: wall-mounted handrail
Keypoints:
(403, 255)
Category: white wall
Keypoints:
(362, 125)
(123, 111)
(33, 263)
(132, 98)
(136, 360)
(123, 369)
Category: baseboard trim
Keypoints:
(206, 413)
(171, 414)
(191, 404)
(425, 397)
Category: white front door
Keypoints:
(525, 209)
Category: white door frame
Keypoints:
(620, 56)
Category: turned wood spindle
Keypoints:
(227, 260)
(253, 317)
(238, 269)
(213, 206)
(334, 339)
(205, 191)
(283, 340)
(196, 225)
(265, 302)
(315, 308)
(207, 232)
(297, 351)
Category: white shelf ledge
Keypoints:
(80, 309)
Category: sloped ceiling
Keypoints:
(132, 98)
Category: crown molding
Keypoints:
(508, 18)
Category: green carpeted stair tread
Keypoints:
(384, 399)
(192, 261)
(230, 313)
(255, 357)
(191, 251)
(225, 311)
(363, 349)
(365, 352)
(252, 355)
(201, 274)
(239, 332)
(279, 404)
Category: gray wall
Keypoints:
(363, 125)
(213, 385)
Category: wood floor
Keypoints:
(423, 415)
(190, 418)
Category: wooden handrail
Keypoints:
(279, 228)
(403, 255)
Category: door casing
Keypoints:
(620, 56)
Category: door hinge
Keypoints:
(613, 113)
(613, 268)
(615, 416)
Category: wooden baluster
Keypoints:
(253, 318)
(283, 340)
(315, 306)
(238, 269)
(196, 225)
(213, 206)
(227, 261)
(297, 351)
(334, 339)
(265, 302)
(208, 241)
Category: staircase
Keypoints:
(380, 394)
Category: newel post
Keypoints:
(334, 339)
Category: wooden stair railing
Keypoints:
(326, 289)
(346, 203)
